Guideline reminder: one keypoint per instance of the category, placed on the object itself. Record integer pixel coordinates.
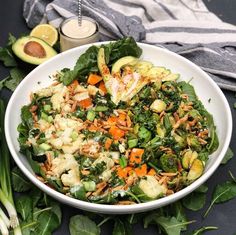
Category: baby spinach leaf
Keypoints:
(222, 193)
(229, 154)
(82, 225)
(200, 231)
(202, 189)
(19, 182)
(24, 206)
(47, 223)
(196, 200)
(189, 90)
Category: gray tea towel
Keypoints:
(183, 26)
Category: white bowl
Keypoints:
(205, 88)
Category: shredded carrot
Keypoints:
(86, 103)
(141, 171)
(73, 85)
(111, 120)
(136, 155)
(93, 128)
(123, 172)
(108, 143)
(94, 79)
(102, 87)
(116, 132)
(122, 116)
(152, 172)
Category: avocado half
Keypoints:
(33, 50)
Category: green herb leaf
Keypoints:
(11, 39)
(222, 193)
(24, 206)
(19, 182)
(169, 225)
(229, 154)
(16, 76)
(7, 57)
(82, 225)
(202, 230)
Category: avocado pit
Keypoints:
(34, 49)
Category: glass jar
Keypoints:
(72, 35)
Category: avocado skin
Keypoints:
(19, 45)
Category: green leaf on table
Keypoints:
(201, 230)
(179, 213)
(16, 76)
(28, 227)
(35, 194)
(6, 56)
(170, 225)
(229, 154)
(47, 223)
(82, 225)
(11, 39)
(56, 209)
(222, 193)
(2, 82)
(196, 200)
(134, 218)
(24, 206)
(119, 228)
(19, 182)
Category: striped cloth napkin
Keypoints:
(183, 26)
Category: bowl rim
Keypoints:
(120, 209)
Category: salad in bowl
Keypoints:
(117, 129)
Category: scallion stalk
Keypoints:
(6, 196)
(4, 218)
(3, 227)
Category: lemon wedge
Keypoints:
(45, 32)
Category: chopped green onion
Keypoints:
(91, 115)
(44, 146)
(44, 116)
(101, 108)
(47, 107)
(132, 143)
(89, 186)
(123, 162)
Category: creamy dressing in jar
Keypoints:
(73, 35)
